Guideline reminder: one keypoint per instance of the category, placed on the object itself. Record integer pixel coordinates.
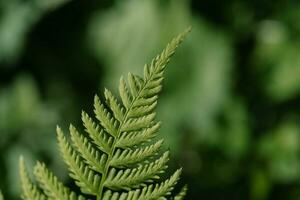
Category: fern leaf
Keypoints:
(151, 192)
(52, 187)
(92, 156)
(100, 138)
(128, 157)
(114, 105)
(129, 139)
(150, 87)
(105, 117)
(138, 111)
(85, 178)
(134, 177)
(181, 194)
(134, 84)
(30, 192)
(162, 190)
(135, 124)
(124, 93)
(146, 101)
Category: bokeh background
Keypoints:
(231, 100)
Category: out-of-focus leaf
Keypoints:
(235, 133)
(260, 185)
(17, 17)
(23, 115)
(284, 82)
(277, 56)
(20, 106)
(281, 150)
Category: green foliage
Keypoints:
(17, 17)
(1, 196)
(281, 148)
(236, 130)
(21, 116)
(181, 194)
(21, 107)
(277, 53)
(30, 191)
(119, 159)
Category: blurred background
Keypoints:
(231, 100)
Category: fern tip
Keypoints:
(71, 127)
(58, 128)
(59, 132)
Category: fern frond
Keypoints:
(151, 192)
(129, 139)
(124, 93)
(93, 157)
(29, 191)
(105, 117)
(163, 189)
(134, 177)
(138, 111)
(146, 101)
(85, 178)
(117, 109)
(123, 158)
(52, 187)
(135, 124)
(141, 89)
(135, 84)
(181, 194)
(118, 153)
(99, 136)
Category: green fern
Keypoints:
(119, 159)
(181, 194)
(30, 191)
